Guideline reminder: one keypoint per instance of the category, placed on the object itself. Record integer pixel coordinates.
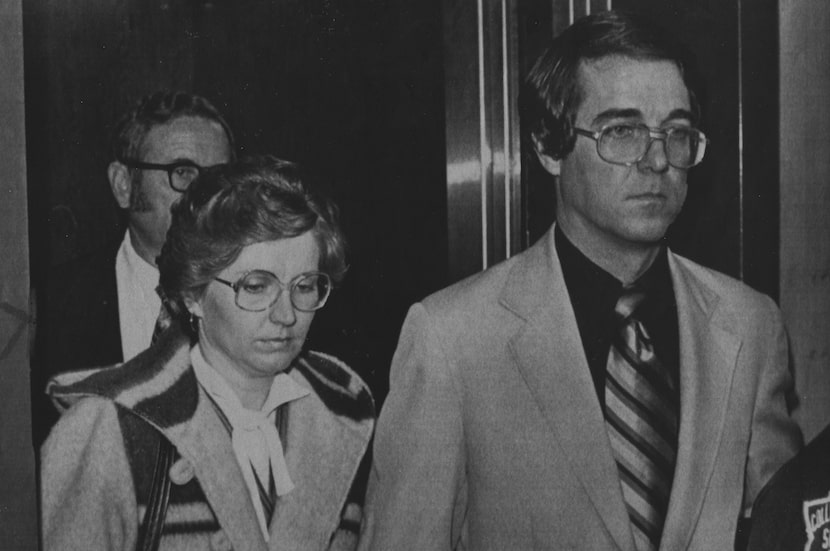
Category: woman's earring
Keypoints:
(194, 323)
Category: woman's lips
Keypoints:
(275, 343)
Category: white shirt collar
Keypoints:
(138, 302)
(284, 388)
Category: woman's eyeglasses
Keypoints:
(258, 290)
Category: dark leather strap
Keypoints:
(149, 533)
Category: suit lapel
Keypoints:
(708, 355)
(550, 357)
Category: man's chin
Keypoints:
(651, 230)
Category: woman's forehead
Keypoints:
(291, 255)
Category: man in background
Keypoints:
(101, 309)
(597, 391)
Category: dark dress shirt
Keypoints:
(594, 294)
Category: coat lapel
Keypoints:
(551, 359)
(163, 390)
(307, 516)
(323, 448)
(708, 355)
(322, 469)
(204, 442)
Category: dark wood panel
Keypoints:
(538, 21)
(805, 202)
(18, 498)
(761, 145)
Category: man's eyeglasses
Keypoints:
(179, 174)
(258, 290)
(628, 144)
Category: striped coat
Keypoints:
(97, 464)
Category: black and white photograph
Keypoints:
(440, 275)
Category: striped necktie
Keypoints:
(641, 415)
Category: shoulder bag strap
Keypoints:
(149, 533)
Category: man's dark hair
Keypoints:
(551, 93)
(157, 109)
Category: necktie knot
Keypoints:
(631, 298)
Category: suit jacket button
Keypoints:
(219, 542)
(181, 472)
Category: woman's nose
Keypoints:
(282, 311)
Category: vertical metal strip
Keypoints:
(587, 7)
(740, 144)
(506, 126)
(608, 5)
(570, 12)
(482, 135)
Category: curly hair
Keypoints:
(228, 207)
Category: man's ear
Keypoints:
(121, 183)
(550, 164)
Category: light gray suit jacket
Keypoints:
(492, 436)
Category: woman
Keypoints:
(226, 433)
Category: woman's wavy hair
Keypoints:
(228, 207)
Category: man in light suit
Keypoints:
(503, 428)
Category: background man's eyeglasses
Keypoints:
(179, 174)
(628, 144)
(258, 290)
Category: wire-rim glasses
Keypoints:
(628, 144)
(180, 174)
(258, 290)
